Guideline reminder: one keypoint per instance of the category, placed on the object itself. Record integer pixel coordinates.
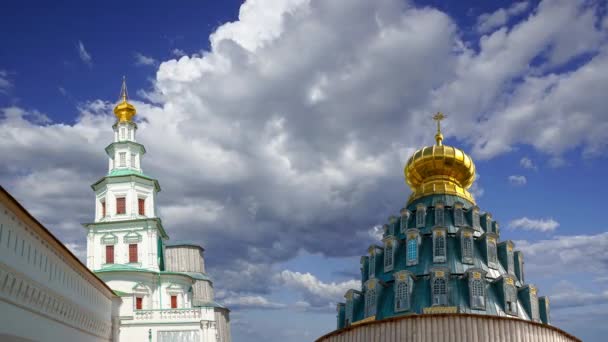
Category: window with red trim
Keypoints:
(173, 302)
(138, 303)
(141, 203)
(133, 252)
(121, 205)
(103, 209)
(109, 254)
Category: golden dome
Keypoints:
(124, 111)
(440, 169)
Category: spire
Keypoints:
(124, 111)
(123, 90)
(439, 137)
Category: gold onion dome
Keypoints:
(440, 169)
(124, 111)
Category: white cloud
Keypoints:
(376, 233)
(144, 60)
(303, 111)
(566, 295)
(5, 83)
(251, 302)
(178, 52)
(316, 292)
(518, 180)
(489, 21)
(566, 255)
(541, 225)
(84, 55)
(527, 163)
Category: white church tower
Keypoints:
(166, 294)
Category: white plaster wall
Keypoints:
(38, 277)
(131, 190)
(146, 249)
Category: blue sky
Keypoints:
(279, 129)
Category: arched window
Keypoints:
(372, 265)
(477, 290)
(439, 246)
(370, 302)
(402, 297)
(389, 255)
(492, 256)
(475, 219)
(510, 297)
(420, 216)
(439, 214)
(412, 249)
(405, 216)
(440, 291)
(458, 215)
(467, 247)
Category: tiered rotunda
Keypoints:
(442, 272)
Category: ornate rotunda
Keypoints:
(442, 272)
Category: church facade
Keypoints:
(442, 272)
(166, 293)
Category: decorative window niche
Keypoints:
(492, 257)
(141, 206)
(466, 245)
(390, 245)
(475, 218)
(439, 214)
(403, 223)
(371, 297)
(122, 158)
(439, 245)
(440, 278)
(420, 215)
(459, 214)
(477, 288)
(510, 293)
(103, 208)
(412, 246)
(403, 291)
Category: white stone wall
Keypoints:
(132, 191)
(41, 285)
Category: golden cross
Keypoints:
(438, 117)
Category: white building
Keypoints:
(46, 293)
(166, 294)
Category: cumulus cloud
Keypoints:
(178, 52)
(527, 163)
(566, 254)
(566, 295)
(517, 180)
(291, 132)
(541, 225)
(84, 55)
(250, 302)
(141, 59)
(489, 21)
(315, 292)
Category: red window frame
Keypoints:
(103, 209)
(121, 205)
(173, 302)
(141, 204)
(132, 252)
(139, 303)
(109, 254)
